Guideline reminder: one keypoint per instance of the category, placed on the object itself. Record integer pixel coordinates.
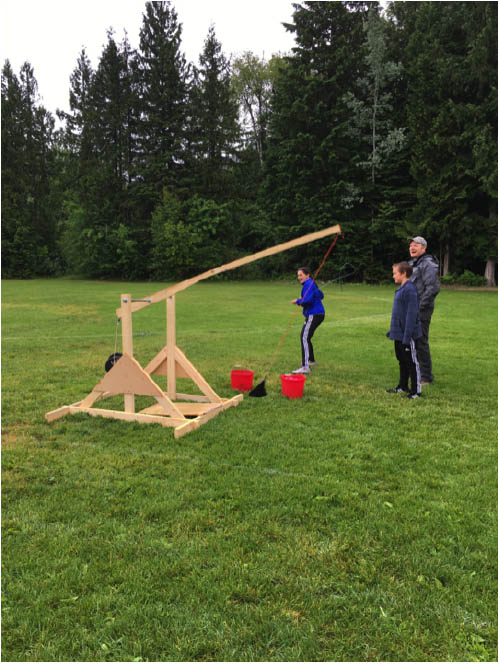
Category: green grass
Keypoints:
(349, 525)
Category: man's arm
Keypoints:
(429, 276)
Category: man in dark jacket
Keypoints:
(426, 278)
(405, 330)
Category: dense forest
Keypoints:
(382, 121)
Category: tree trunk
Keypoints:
(489, 272)
(446, 261)
(374, 125)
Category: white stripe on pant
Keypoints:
(416, 363)
(305, 345)
(310, 324)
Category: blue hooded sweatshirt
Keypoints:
(310, 299)
(405, 321)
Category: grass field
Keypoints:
(349, 525)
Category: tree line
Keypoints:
(383, 122)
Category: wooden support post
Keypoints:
(171, 377)
(127, 342)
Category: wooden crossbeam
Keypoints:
(182, 285)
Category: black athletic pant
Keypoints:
(409, 368)
(308, 329)
(424, 352)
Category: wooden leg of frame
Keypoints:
(56, 414)
(191, 425)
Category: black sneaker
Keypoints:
(397, 390)
(412, 396)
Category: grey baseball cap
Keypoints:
(419, 240)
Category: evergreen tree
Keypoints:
(372, 106)
(106, 188)
(79, 146)
(28, 223)
(164, 81)
(78, 120)
(379, 144)
(482, 38)
(452, 116)
(309, 164)
(215, 130)
(104, 230)
(13, 175)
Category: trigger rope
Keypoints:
(116, 333)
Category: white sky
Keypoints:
(50, 34)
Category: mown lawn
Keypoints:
(349, 525)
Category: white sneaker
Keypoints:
(302, 370)
(312, 364)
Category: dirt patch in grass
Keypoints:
(13, 435)
(9, 439)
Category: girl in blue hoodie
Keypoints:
(314, 314)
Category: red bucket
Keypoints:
(292, 385)
(241, 379)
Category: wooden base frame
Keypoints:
(128, 378)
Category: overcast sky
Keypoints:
(50, 34)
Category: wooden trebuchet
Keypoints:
(184, 412)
